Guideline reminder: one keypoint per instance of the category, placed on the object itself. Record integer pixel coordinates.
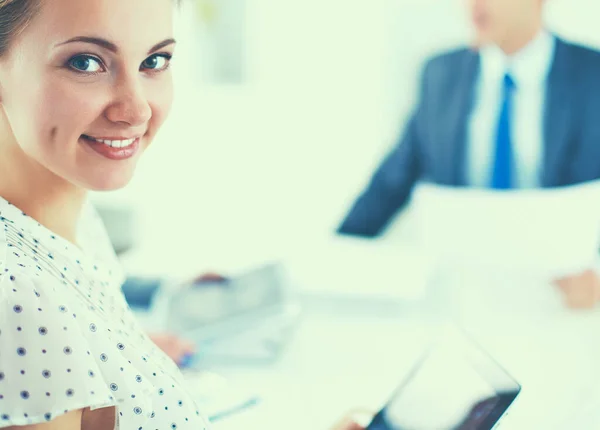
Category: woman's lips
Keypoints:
(112, 152)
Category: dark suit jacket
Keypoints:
(433, 145)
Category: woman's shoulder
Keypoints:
(25, 245)
(26, 269)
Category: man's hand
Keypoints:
(209, 278)
(580, 291)
(357, 420)
(179, 350)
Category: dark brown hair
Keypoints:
(15, 15)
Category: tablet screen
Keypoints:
(455, 386)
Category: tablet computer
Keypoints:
(455, 385)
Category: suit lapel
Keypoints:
(558, 116)
(462, 98)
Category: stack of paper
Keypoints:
(549, 232)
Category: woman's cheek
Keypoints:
(161, 102)
(76, 102)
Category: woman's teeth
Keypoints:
(114, 143)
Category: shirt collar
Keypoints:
(529, 66)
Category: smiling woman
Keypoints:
(106, 99)
(84, 88)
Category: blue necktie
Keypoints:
(503, 156)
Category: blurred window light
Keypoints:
(219, 29)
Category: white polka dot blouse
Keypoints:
(68, 339)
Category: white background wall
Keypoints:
(329, 84)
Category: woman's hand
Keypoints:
(179, 350)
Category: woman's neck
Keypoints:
(49, 199)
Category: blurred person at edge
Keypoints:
(518, 109)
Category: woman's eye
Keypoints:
(156, 62)
(85, 63)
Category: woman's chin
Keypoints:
(108, 183)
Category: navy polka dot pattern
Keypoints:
(68, 340)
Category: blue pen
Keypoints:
(189, 359)
(186, 360)
(237, 409)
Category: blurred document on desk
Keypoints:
(248, 302)
(547, 232)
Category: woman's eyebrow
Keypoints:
(94, 41)
(103, 43)
(161, 45)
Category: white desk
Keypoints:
(351, 353)
(343, 357)
(335, 362)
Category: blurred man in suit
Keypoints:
(517, 110)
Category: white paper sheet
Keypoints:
(217, 397)
(549, 232)
(358, 268)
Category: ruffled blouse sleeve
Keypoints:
(47, 365)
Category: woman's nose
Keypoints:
(130, 105)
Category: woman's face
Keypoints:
(86, 86)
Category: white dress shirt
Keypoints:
(529, 69)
